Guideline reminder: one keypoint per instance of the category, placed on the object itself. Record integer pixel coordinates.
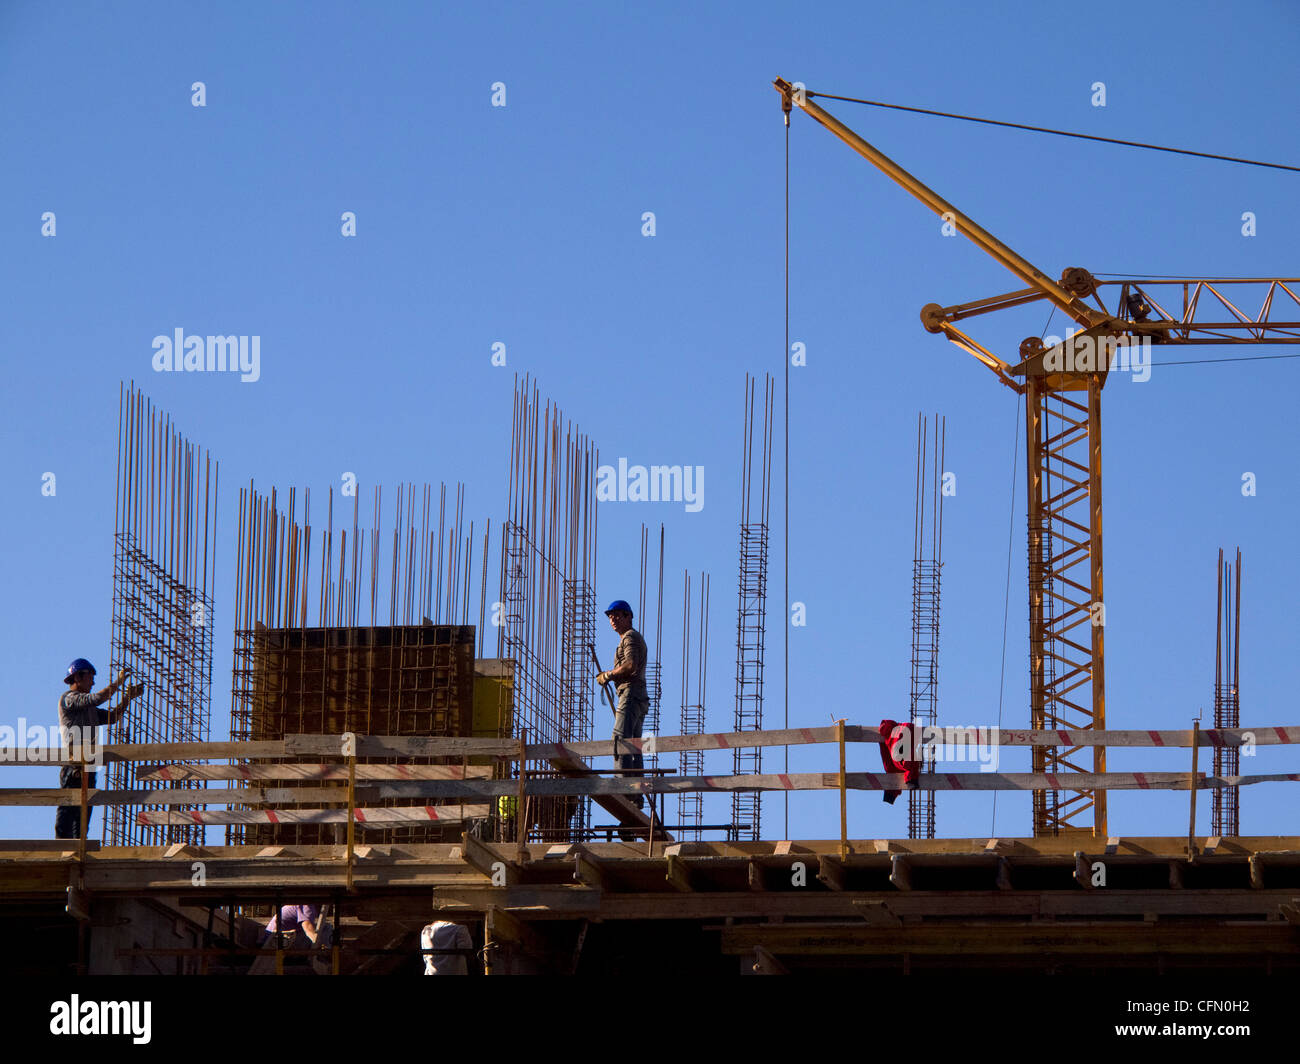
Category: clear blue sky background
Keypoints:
(522, 225)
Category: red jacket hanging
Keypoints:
(894, 749)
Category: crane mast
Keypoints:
(1062, 388)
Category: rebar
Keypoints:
(1225, 801)
(165, 527)
(927, 564)
(548, 602)
(751, 620)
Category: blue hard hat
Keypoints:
(616, 606)
(78, 665)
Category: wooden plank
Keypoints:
(618, 806)
(374, 817)
(425, 746)
(173, 796)
(582, 782)
(665, 744)
(569, 902)
(400, 746)
(960, 941)
(45, 757)
(290, 771)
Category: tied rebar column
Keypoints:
(751, 619)
(690, 804)
(927, 563)
(548, 576)
(165, 529)
(1225, 801)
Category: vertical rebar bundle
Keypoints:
(751, 620)
(548, 575)
(654, 666)
(1227, 708)
(690, 804)
(927, 564)
(164, 529)
(407, 669)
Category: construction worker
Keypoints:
(445, 948)
(628, 675)
(300, 928)
(79, 715)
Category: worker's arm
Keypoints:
(632, 664)
(119, 711)
(98, 698)
(309, 926)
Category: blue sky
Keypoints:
(522, 224)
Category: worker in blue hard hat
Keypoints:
(80, 715)
(628, 676)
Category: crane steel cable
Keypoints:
(1238, 358)
(1056, 132)
(1006, 591)
(785, 669)
(1006, 594)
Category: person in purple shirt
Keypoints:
(300, 928)
(296, 923)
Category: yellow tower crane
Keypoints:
(1062, 389)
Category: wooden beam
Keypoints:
(678, 873)
(877, 914)
(1004, 874)
(965, 942)
(830, 870)
(481, 857)
(306, 771)
(766, 964)
(754, 873)
(391, 746)
(900, 872)
(78, 903)
(1082, 870)
(587, 870)
(1256, 862)
(619, 806)
(506, 926)
(422, 746)
(382, 816)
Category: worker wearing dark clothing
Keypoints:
(79, 716)
(628, 675)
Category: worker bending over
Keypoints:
(628, 676)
